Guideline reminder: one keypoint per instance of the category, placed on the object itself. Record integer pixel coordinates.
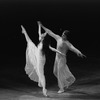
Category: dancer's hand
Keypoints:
(55, 50)
(46, 29)
(81, 55)
(50, 47)
(43, 35)
(39, 23)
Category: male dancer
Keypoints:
(61, 70)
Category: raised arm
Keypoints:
(55, 50)
(55, 36)
(72, 48)
(39, 32)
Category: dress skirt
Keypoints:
(35, 61)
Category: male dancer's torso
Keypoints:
(62, 47)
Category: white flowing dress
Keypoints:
(35, 61)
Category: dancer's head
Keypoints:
(64, 34)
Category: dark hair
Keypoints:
(64, 34)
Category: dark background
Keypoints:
(80, 17)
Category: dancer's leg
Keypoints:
(39, 84)
(60, 86)
(40, 69)
(65, 78)
(42, 83)
(60, 78)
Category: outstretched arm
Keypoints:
(72, 48)
(55, 50)
(55, 36)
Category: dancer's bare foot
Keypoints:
(61, 91)
(45, 92)
(39, 84)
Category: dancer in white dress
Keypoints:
(35, 60)
(61, 70)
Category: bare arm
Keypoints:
(55, 36)
(72, 48)
(55, 50)
(39, 31)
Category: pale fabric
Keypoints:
(34, 61)
(61, 70)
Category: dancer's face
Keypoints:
(64, 37)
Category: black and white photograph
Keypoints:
(50, 50)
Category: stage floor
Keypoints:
(79, 92)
